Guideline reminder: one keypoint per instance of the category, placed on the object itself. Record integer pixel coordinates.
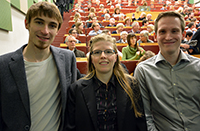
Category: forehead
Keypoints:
(45, 18)
(169, 22)
(71, 38)
(103, 45)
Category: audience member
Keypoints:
(127, 22)
(132, 51)
(94, 20)
(112, 23)
(144, 37)
(96, 29)
(170, 100)
(197, 47)
(123, 37)
(149, 17)
(74, 33)
(119, 27)
(191, 27)
(35, 78)
(79, 27)
(150, 29)
(71, 45)
(142, 16)
(190, 16)
(164, 7)
(124, 108)
(135, 28)
(77, 16)
(106, 17)
(145, 23)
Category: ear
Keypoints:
(26, 24)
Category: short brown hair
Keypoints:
(171, 14)
(46, 9)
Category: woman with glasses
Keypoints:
(106, 99)
(132, 51)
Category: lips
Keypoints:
(104, 63)
(43, 38)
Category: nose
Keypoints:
(168, 36)
(103, 55)
(45, 30)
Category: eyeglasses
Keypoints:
(107, 52)
(74, 32)
(72, 41)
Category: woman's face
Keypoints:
(117, 11)
(81, 27)
(103, 62)
(133, 41)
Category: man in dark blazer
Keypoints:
(35, 78)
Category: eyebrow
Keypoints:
(44, 21)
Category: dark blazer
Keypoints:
(14, 94)
(81, 111)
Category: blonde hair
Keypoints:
(124, 79)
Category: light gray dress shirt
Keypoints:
(171, 94)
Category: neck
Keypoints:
(104, 77)
(172, 58)
(33, 54)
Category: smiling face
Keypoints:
(169, 35)
(42, 31)
(104, 63)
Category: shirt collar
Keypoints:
(99, 83)
(182, 57)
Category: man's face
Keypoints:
(94, 19)
(71, 43)
(169, 35)
(97, 27)
(74, 33)
(136, 27)
(42, 31)
(112, 21)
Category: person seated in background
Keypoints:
(148, 54)
(106, 31)
(79, 27)
(92, 10)
(144, 37)
(96, 29)
(121, 17)
(106, 17)
(164, 7)
(127, 22)
(135, 28)
(185, 43)
(116, 12)
(77, 16)
(119, 27)
(90, 16)
(149, 17)
(123, 37)
(142, 16)
(89, 5)
(73, 32)
(94, 20)
(196, 22)
(191, 27)
(150, 29)
(101, 7)
(190, 16)
(132, 51)
(71, 45)
(145, 23)
(112, 23)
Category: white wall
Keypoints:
(12, 40)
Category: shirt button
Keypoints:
(106, 98)
(174, 84)
(172, 69)
(105, 110)
(26, 127)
